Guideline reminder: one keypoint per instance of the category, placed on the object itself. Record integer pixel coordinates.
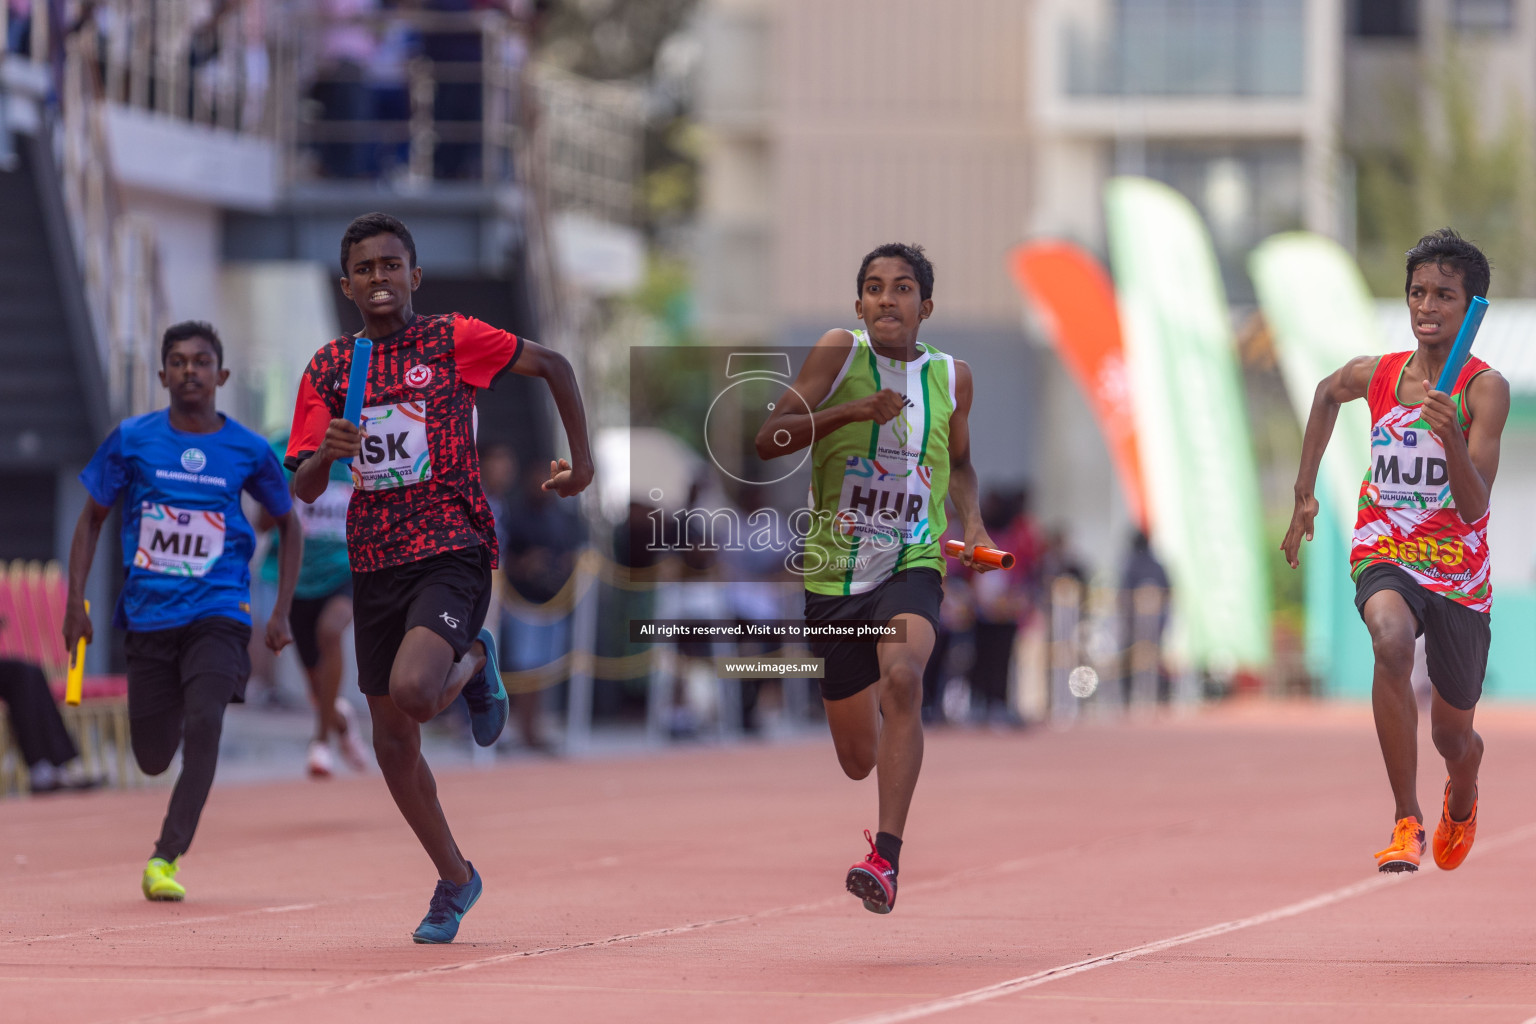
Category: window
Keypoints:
(1483, 15)
(1385, 19)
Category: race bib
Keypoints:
(1408, 468)
(884, 501)
(395, 452)
(178, 542)
(326, 517)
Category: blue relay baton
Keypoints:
(1463, 344)
(362, 355)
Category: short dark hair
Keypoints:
(916, 259)
(1450, 252)
(191, 329)
(370, 224)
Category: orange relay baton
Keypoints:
(76, 678)
(984, 555)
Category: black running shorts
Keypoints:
(162, 661)
(851, 666)
(1456, 638)
(305, 622)
(448, 593)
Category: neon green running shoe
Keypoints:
(160, 880)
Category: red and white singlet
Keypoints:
(1407, 516)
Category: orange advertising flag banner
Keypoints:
(1075, 302)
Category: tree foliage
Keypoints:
(1452, 168)
(607, 39)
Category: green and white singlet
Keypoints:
(877, 490)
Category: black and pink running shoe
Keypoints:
(873, 880)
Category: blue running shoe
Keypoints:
(487, 697)
(449, 905)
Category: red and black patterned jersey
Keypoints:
(416, 486)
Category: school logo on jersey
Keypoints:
(901, 426)
(193, 460)
(418, 376)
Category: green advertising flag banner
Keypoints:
(1314, 336)
(1201, 481)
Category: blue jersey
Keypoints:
(186, 544)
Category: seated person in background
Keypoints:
(45, 744)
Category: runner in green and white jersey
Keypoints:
(886, 419)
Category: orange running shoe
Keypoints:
(1406, 848)
(1453, 839)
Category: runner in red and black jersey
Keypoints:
(420, 535)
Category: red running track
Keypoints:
(1214, 868)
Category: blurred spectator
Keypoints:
(697, 594)
(39, 729)
(1143, 572)
(348, 46)
(953, 649)
(498, 478)
(456, 58)
(541, 539)
(18, 26)
(1058, 563)
(755, 594)
(1058, 559)
(388, 78)
(1002, 603)
(258, 68)
(234, 80)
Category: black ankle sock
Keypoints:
(889, 847)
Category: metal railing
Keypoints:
(161, 57)
(29, 37)
(443, 102)
(118, 253)
(590, 144)
(1112, 640)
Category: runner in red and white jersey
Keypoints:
(1408, 516)
(1420, 558)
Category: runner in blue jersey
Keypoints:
(185, 599)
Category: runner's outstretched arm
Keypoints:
(963, 487)
(1471, 462)
(82, 552)
(569, 478)
(1345, 384)
(796, 426)
(290, 537)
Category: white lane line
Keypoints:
(1005, 988)
(362, 984)
(835, 901)
(170, 922)
(113, 929)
